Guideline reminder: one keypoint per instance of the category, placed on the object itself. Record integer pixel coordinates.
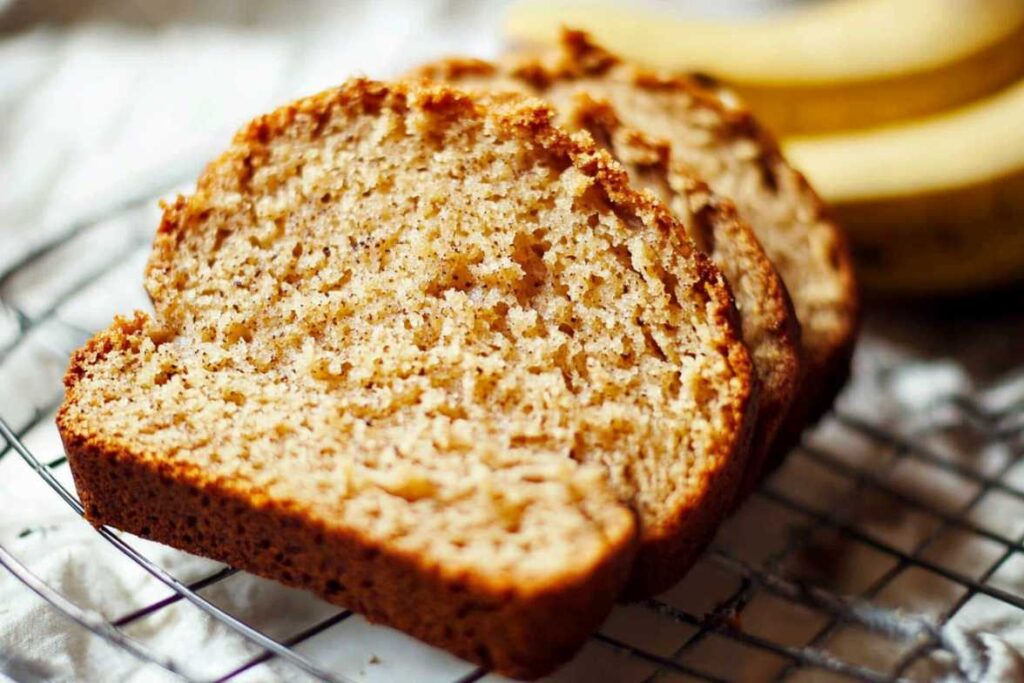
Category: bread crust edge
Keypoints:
(520, 633)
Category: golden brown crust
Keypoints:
(521, 634)
(518, 632)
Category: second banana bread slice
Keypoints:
(726, 147)
(770, 328)
(424, 355)
(769, 324)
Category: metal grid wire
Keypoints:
(924, 643)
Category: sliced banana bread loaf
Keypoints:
(425, 355)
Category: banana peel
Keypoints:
(836, 65)
(931, 205)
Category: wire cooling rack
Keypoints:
(889, 546)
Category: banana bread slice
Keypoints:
(425, 355)
(739, 160)
(770, 328)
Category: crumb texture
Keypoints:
(738, 159)
(800, 242)
(769, 325)
(437, 325)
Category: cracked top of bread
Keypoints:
(439, 323)
(726, 147)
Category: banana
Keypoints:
(835, 65)
(931, 205)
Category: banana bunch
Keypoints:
(906, 115)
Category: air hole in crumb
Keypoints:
(579, 364)
(219, 238)
(703, 391)
(674, 386)
(563, 362)
(237, 331)
(653, 346)
(702, 229)
(234, 396)
(161, 378)
(671, 283)
(455, 276)
(622, 255)
(528, 253)
(499, 322)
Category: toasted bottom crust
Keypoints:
(523, 636)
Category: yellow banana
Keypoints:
(935, 204)
(836, 65)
